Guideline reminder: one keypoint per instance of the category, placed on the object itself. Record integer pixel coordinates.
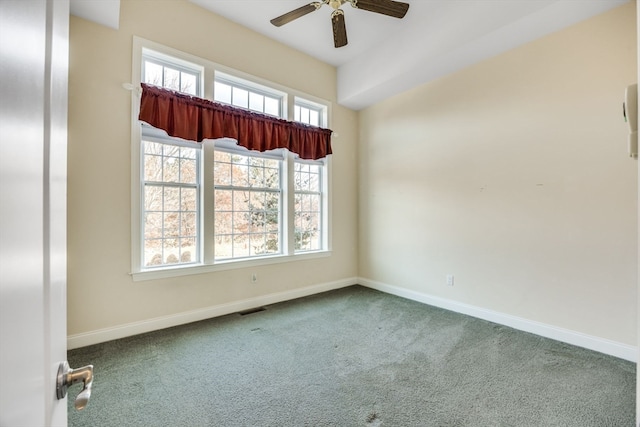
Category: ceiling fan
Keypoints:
(392, 8)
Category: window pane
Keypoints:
(152, 198)
(241, 246)
(171, 150)
(255, 161)
(188, 171)
(222, 173)
(188, 83)
(272, 106)
(240, 98)
(296, 113)
(241, 222)
(272, 244)
(153, 225)
(188, 153)
(152, 168)
(171, 198)
(171, 224)
(302, 240)
(188, 250)
(257, 201)
(256, 102)
(171, 169)
(171, 79)
(257, 246)
(171, 250)
(223, 246)
(239, 175)
(189, 199)
(221, 156)
(272, 202)
(223, 200)
(271, 178)
(314, 118)
(315, 182)
(240, 201)
(224, 222)
(300, 181)
(152, 253)
(152, 73)
(304, 115)
(272, 163)
(314, 241)
(314, 203)
(256, 177)
(257, 222)
(189, 224)
(152, 148)
(222, 92)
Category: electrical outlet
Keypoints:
(254, 278)
(449, 279)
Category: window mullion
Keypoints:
(289, 205)
(207, 211)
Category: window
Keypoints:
(309, 113)
(171, 175)
(214, 205)
(248, 207)
(170, 200)
(170, 74)
(243, 94)
(308, 206)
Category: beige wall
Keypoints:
(101, 294)
(512, 175)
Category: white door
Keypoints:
(34, 44)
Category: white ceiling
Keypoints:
(385, 55)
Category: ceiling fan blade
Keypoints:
(339, 28)
(294, 14)
(386, 7)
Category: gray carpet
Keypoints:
(351, 357)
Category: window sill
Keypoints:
(188, 270)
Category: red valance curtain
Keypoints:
(195, 119)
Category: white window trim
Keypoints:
(207, 265)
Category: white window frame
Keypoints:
(207, 262)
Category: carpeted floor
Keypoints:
(351, 357)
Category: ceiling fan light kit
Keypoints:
(391, 8)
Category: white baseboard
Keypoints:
(579, 339)
(601, 345)
(122, 331)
